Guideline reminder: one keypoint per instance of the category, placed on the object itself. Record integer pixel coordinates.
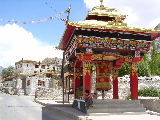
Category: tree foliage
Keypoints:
(147, 67)
(125, 70)
(7, 72)
(149, 92)
(143, 67)
(154, 63)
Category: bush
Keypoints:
(149, 92)
(128, 97)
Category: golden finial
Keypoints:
(101, 3)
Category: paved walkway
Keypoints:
(55, 104)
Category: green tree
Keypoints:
(125, 70)
(143, 67)
(7, 72)
(154, 63)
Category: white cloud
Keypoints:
(154, 23)
(140, 13)
(17, 43)
(132, 17)
(91, 3)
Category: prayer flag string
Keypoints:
(37, 21)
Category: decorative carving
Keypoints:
(89, 50)
(92, 42)
(115, 73)
(103, 85)
(87, 67)
(137, 53)
(77, 72)
(134, 68)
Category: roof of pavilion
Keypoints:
(105, 11)
(104, 19)
(111, 26)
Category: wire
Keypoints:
(50, 6)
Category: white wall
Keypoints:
(30, 89)
(25, 68)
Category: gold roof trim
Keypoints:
(105, 8)
(107, 14)
(111, 25)
(105, 11)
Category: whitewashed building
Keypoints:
(35, 74)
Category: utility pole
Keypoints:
(62, 73)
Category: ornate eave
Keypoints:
(104, 19)
(112, 26)
(103, 26)
(66, 36)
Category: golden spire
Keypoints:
(101, 3)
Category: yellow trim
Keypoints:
(122, 27)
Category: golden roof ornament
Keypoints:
(101, 3)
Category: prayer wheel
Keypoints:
(103, 76)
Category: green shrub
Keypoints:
(128, 97)
(149, 92)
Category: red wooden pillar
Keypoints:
(134, 80)
(86, 76)
(76, 80)
(115, 84)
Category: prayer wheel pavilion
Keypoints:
(104, 40)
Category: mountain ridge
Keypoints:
(1, 68)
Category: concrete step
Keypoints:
(117, 105)
(113, 110)
(113, 106)
(116, 101)
(124, 113)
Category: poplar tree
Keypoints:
(125, 70)
(154, 63)
(143, 67)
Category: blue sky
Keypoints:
(46, 34)
(36, 41)
(28, 10)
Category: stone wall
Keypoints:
(151, 104)
(124, 86)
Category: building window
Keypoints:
(28, 82)
(43, 66)
(36, 66)
(41, 83)
(48, 75)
